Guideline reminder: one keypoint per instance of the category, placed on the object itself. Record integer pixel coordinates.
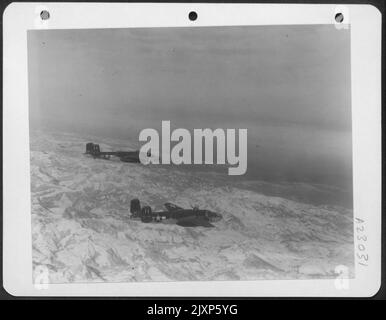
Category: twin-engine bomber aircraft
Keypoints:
(194, 217)
(125, 156)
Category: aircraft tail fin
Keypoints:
(89, 147)
(93, 149)
(135, 207)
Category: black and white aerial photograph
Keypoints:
(191, 153)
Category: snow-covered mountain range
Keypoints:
(81, 229)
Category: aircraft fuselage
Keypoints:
(184, 217)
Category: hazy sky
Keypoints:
(288, 85)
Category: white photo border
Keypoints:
(364, 22)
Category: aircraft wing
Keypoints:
(129, 159)
(171, 206)
(194, 222)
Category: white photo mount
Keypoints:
(364, 22)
